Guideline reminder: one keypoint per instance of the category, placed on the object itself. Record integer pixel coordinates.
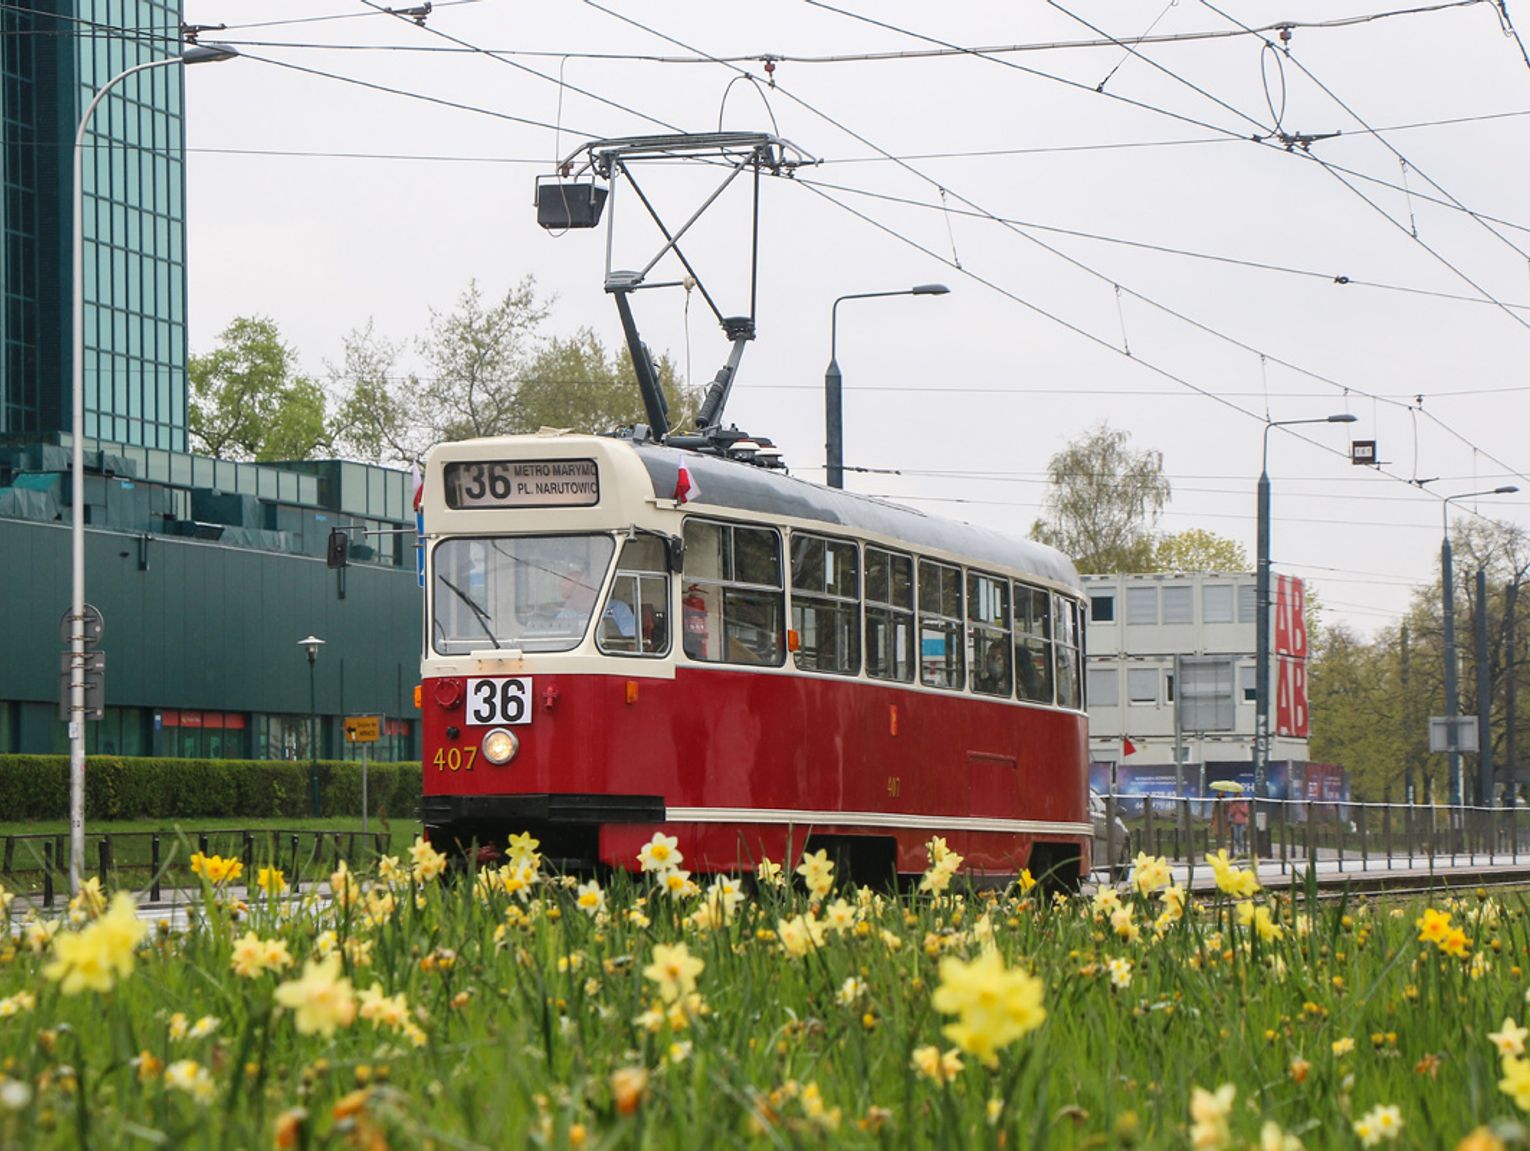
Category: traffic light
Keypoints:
(339, 553)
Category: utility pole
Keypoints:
(1484, 698)
(1407, 676)
(1511, 672)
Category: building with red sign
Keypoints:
(1170, 663)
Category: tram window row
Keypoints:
(895, 616)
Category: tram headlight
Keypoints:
(500, 745)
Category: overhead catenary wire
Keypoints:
(501, 58)
(998, 288)
(1412, 232)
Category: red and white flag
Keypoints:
(686, 489)
(418, 483)
(1128, 747)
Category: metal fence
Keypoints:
(151, 860)
(1342, 836)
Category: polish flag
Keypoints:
(1128, 747)
(686, 489)
(417, 483)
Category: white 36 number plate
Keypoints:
(499, 701)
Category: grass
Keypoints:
(501, 1014)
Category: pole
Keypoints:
(834, 423)
(1452, 703)
(833, 393)
(313, 731)
(1484, 698)
(364, 749)
(1179, 745)
(77, 489)
(1262, 633)
(1511, 666)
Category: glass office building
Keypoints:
(56, 56)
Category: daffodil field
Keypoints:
(512, 1007)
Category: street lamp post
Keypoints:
(1447, 579)
(313, 643)
(1262, 611)
(834, 422)
(193, 54)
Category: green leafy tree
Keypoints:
(488, 371)
(577, 383)
(248, 401)
(1104, 501)
(1198, 550)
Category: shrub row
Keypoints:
(119, 787)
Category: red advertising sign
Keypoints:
(1290, 617)
(1291, 718)
(1291, 697)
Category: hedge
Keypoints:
(120, 787)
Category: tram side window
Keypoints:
(1065, 631)
(1033, 644)
(889, 615)
(636, 616)
(988, 649)
(826, 606)
(940, 625)
(732, 602)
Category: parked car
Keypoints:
(1112, 846)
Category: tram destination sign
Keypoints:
(522, 484)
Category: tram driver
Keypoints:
(577, 593)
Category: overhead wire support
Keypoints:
(991, 284)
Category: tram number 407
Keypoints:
(499, 701)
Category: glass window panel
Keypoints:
(1178, 604)
(1247, 609)
(1142, 684)
(1217, 603)
(1142, 605)
(1102, 608)
(1104, 687)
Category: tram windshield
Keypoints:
(535, 593)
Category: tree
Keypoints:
(575, 383)
(248, 401)
(1103, 503)
(1198, 550)
(488, 372)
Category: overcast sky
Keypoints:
(1117, 246)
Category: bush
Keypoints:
(118, 787)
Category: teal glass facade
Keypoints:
(57, 54)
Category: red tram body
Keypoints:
(762, 667)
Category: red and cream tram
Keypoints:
(624, 637)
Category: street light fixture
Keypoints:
(313, 643)
(191, 54)
(1262, 622)
(1447, 578)
(834, 422)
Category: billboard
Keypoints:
(1291, 715)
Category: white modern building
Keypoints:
(1170, 663)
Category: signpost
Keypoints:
(365, 730)
(1464, 728)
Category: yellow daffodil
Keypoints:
(216, 869)
(1208, 1117)
(271, 880)
(1378, 1124)
(769, 873)
(674, 969)
(98, 955)
(191, 1077)
(817, 871)
(994, 1005)
(660, 854)
(322, 999)
(1150, 872)
(1510, 1039)
(1432, 925)
(428, 863)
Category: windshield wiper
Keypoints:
(485, 621)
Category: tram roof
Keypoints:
(728, 483)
